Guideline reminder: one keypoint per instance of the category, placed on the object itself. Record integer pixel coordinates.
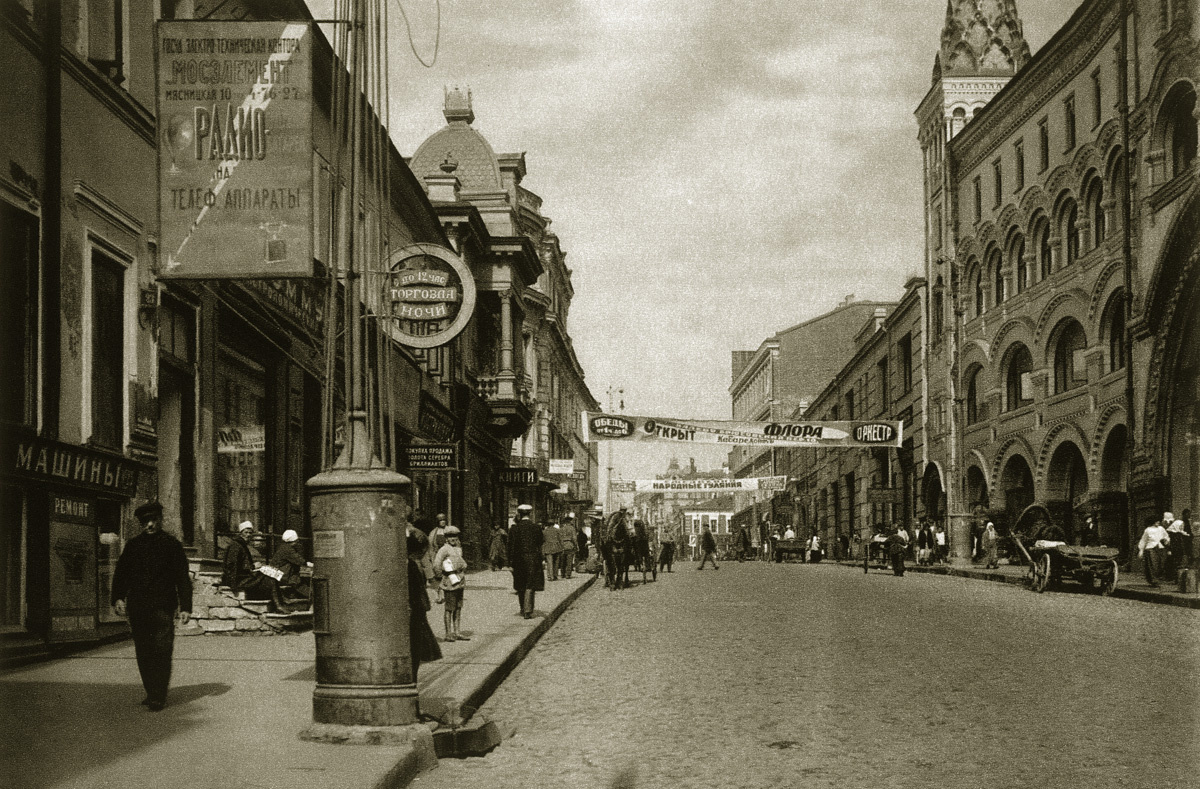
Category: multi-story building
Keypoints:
(662, 510)
(124, 385)
(1062, 334)
(778, 380)
(535, 381)
(843, 494)
(716, 514)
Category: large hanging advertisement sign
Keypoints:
(429, 294)
(612, 427)
(235, 183)
(714, 486)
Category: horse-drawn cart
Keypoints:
(1052, 562)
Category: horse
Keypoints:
(615, 547)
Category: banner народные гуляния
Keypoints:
(714, 486)
(598, 426)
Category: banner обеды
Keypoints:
(599, 426)
(235, 150)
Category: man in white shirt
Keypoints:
(1152, 549)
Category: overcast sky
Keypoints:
(715, 171)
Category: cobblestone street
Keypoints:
(820, 676)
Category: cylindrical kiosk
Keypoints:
(360, 599)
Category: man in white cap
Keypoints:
(525, 558)
(284, 568)
(238, 566)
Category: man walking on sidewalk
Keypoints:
(525, 557)
(150, 583)
(1151, 549)
(708, 547)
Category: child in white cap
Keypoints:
(450, 567)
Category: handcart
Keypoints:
(1051, 562)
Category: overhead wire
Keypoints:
(437, 38)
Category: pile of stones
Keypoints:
(218, 611)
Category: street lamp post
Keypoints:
(608, 500)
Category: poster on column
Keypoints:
(613, 427)
(235, 149)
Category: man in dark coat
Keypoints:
(238, 566)
(150, 584)
(525, 556)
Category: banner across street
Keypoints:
(698, 485)
(599, 426)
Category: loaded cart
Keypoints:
(1051, 562)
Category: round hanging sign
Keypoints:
(430, 293)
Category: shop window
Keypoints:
(1070, 368)
(18, 316)
(107, 373)
(241, 441)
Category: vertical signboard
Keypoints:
(73, 587)
(235, 149)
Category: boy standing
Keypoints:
(450, 567)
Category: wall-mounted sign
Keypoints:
(50, 461)
(609, 427)
(235, 155)
(429, 294)
(517, 477)
(566, 466)
(885, 496)
(429, 457)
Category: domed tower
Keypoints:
(982, 46)
(487, 180)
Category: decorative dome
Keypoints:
(478, 167)
(981, 38)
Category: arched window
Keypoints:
(1181, 128)
(1018, 378)
(1095, 210)
(974, 412)
(977, 288)
(996, 267)
(1114, 330)
(1071, 232)
(1041, 240)
(1070, 370)
(1021, 275)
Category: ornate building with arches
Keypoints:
(1047, 384)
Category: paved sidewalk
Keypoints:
(237, 706)
(1130, 585)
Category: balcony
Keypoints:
(509, 403)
